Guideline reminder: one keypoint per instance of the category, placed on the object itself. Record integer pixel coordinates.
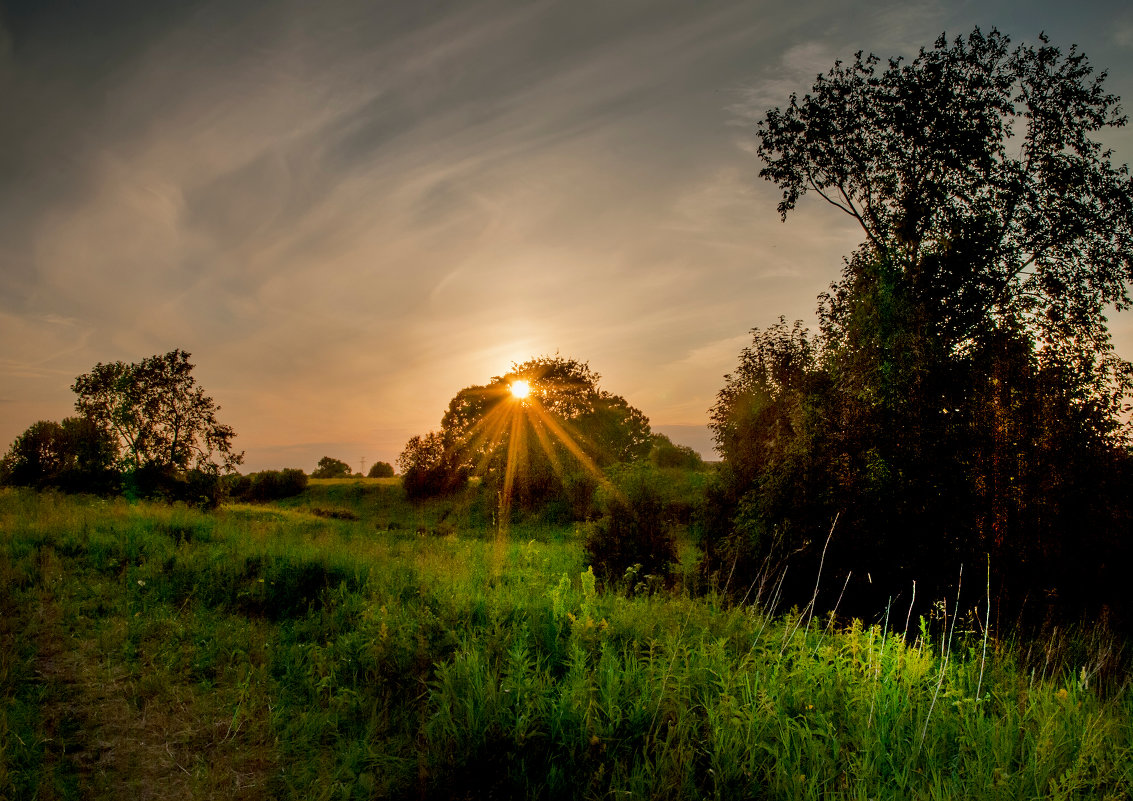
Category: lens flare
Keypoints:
(518, 427)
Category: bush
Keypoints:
(268, 485)
(201, 488)
(380, 470)
(666, 453)
(633, 538)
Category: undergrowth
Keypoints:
(274, 652)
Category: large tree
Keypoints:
(962, 397)
(164, 422)
(976, 176)
(548, 439)
(564, 413)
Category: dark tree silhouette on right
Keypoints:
(962, 400)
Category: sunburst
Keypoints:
(517, 410)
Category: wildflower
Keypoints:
(141, 582)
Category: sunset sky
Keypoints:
(348, 211)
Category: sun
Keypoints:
(520, 389)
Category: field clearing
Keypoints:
(348, 644)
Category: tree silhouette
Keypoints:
(962, 400)
(162, 420)
(329, 467)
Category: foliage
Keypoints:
(263, 653)
(163, 421)
(632, 542)
(329, 467)
(961, 402)
(380, 470)
(537, 448)
(75, 456)
(268, 485)
(665, 453)
(985, 200)
(428, 468)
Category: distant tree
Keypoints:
(380, 470)
(329, 467)
(75, 456)
(163, 421)
(665, 453)
(428, 468)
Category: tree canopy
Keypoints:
(380, 470)
(329, 467)
(537, 443)
(975, 173)
(565, 424)
(961, 400)
(75, 455)
(162, 419)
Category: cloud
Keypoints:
(349, 213)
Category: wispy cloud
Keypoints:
(349, 212)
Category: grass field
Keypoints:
(346, 644)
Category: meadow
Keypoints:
(346, 644)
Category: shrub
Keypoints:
(268, 485)
(633, 537)
(666, 453)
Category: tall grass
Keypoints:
(266, 651)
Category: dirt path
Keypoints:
(108, 736)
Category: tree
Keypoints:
(380, 470)
(163, 422)
(665, 453)
(331, 468)
(541, 445)
(428, 468)
(75, 456)
(984, 198)
(962, 398)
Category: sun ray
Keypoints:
(573, 447)
(549, 449)
(513, 455)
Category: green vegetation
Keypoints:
(554, 603)
(961, 401)
(271, 652)
(380, 470)
(146, 429)
(538, 435)
(329, 467)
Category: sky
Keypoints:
(347, 212)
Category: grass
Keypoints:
(281, 652)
